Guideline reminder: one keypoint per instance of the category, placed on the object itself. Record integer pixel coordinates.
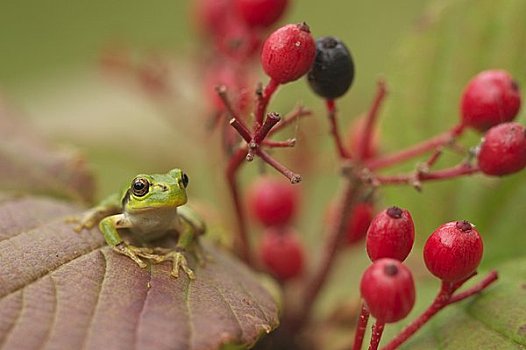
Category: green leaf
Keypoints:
(67, 290)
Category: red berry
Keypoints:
(288, 53)
(503, 150)
(490, 98)
(282, 253)
(359, 220)
(261, 13)
(453, 251)
(273, 201)
(391, 235)
(388, 290)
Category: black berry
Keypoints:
(332, 73)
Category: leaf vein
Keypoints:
(95, 306)
(15, 321)
(55, 309)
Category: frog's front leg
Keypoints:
(186, 243)
(109, 206)
(108, 226)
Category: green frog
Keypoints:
(150, 207)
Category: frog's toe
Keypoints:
(129, 251)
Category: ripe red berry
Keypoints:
(453, 251)
(260, 13)
(288, 53)
(490, 98)
(503, 150)
(332, 73)
(282, 253)
(388, 290)
(391, 235)
(273, 201)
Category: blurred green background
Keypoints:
(426, 50)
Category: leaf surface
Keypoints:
(64, 290)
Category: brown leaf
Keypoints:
(33, 165)
(64, 290)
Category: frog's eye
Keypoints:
(140, 186)
(185, 180)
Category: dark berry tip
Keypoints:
(329, 42)
(391, 270)
(303, 26)
(464, 226)
(395, 212)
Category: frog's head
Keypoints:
(156, 191)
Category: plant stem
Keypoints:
(243, 243)
(361, 328)
(263, 100)
(378, 329)
(330, 250)
(488, 280)
(416, 150)
(371, 119)
(292, 176)
(441, 300)
(297, 113)
(414, 178)
(334, 129)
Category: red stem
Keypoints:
(241, 129)
(378, 329)
(441, 300)
(415, 150)
(243, 243)
(271, 120)
(488, 280)
(444, 298)
(279, 144)
(361, 328)
(289, 118)
(414, 179)
(334, 129)
(330, 250)
(264, 99)
(292, 176)
(371, 119)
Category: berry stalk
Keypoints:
(334, 129)
(414, 151)
(371, 120)
(243, 243)
(333, 242)
(264, 97)
(444, 298)
(361, 328)
(376, 336)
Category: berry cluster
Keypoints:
(240, 38)
(452, 253)
(274, 204)
(489, 104)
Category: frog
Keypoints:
(151, 207)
